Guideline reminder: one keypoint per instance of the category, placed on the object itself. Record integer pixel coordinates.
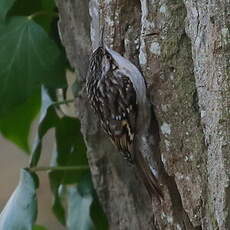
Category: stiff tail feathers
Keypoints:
(149, 179)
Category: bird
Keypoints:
(116, 91)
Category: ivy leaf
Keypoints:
(79, 201)
(70, 152)
(16, 125)
(20, 211)
(48, 119)
(5, 5)
(39, 227)
(28, 59)
(42, 11)
(55, 179)
(25, 7)
(48, 4)
(84, 210)
(97, 214)
(48, 20)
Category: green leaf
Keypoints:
(28, 59)
(84, 210)
(57, 207)
(42, 11)
(48, 4)
(16, 125)
(79, 201)
(48, 119)
(97, 214)
(39, 227)
(21, 210)
(71, 151)
(5, 5)
(47, 16)
(25, 7)
(85, 188)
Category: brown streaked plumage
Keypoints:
(116, 90)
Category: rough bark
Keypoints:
(182, 48)
(208, 29)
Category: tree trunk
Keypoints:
(182, 49)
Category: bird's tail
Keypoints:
(149, 179)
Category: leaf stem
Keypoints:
(42, 12)
(58, 168)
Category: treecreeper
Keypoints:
(117, 93)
